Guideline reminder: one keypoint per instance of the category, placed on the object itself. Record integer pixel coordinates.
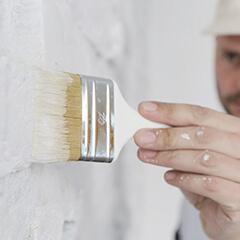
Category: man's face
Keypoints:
(228, 72)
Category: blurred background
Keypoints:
(154, 50)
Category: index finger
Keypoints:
(174, 114)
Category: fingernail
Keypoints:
(170, 175)
(149, 106)
(147, 153)
(147, 137)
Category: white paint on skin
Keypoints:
(209, 180)
(151, 161)
(206, 180)
(206, 157)
(157, 132)
(196, 179)
(185, 136)
(196, 158)
(201, 132)
(181, 179)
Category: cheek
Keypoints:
(222, 89)
(225, 81)
(223, 86)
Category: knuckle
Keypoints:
(232, 214)
(210, 184)
(169, 107)
(169, 158)
(203, 136)
(199, 113)
(207, 159)
(234, 140)
(166, 139)
(233, 217)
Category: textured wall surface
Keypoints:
(153, 49)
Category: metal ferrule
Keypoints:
(97, 142)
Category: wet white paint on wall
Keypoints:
(125, 200)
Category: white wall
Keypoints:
(181, 54)
(154, 50)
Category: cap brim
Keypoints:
(220, 30)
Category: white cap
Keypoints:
(227, 19)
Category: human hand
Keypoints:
(203, 148)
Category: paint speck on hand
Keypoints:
(181, 179)
(157, 132)
(201, 131)
(185, 136)
(209, 180)
(151, 161)
(206, 157)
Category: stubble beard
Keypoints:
(227, 100)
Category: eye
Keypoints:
(232, 57)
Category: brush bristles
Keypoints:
(57, 128)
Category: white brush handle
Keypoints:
(127, 122)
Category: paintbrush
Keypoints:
(80, 117)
